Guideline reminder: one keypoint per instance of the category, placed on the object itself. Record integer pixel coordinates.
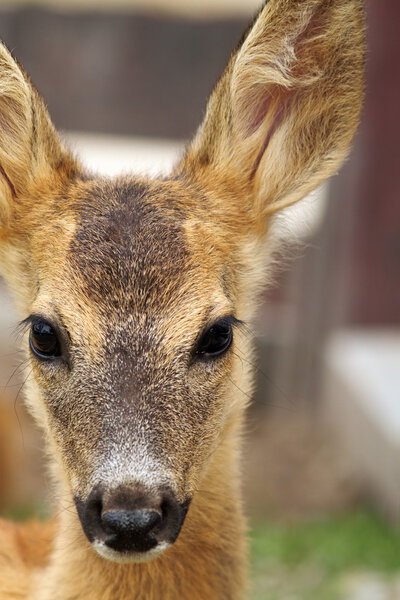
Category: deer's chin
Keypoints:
(129, 557)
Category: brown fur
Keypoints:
(7, 462)
(132, 270)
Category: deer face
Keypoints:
(131, 345)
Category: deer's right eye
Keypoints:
(43, 340)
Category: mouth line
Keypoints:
(125, 557)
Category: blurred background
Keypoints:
(127, 82)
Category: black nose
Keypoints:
(131, 518)
(139, 522)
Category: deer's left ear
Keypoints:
(282, 116)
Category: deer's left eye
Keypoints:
(216, 340)
(43, 340)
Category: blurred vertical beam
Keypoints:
(374, 278)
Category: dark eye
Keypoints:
(43, 340)
(215, 340)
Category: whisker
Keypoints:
(257, 369)
(16, 410)
(21, 365)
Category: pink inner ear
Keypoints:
(8, 180)
(272, 101)
(279, 110)
(259, 104)
(257, 116)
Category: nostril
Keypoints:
(134, 522)
(131, 519)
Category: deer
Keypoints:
(134, 294)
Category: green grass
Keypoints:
(24, 512)
(308, 561)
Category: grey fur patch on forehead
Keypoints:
(129, 246)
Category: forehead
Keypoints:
(129, 244)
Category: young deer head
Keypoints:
(133, 290)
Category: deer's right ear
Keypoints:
(29, 145)
(282, 116)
